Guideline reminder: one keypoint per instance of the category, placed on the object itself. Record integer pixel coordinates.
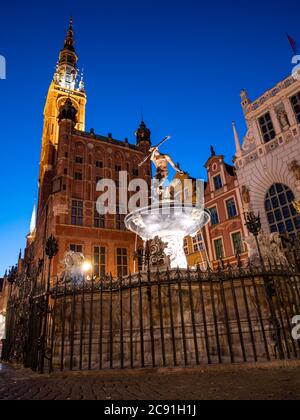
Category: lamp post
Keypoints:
(254, 226)
(11, 278)
(7, 345)
(51, 251)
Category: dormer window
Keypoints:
(267, 127)
(218, 184)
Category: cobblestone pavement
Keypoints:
(264, 381)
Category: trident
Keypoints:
(154, 149)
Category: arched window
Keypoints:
(281, 214)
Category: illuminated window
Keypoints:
(77, 213)
(122, 262)
(281, 214)
(267, 127)
(99, 262)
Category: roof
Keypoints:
(109, 140)
(230, 169)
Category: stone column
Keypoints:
(290, 112)
(275, 121)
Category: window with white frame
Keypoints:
(76, 248)
(186, 247)
(214, 216)
(122, 262)
(99, 261)
(77, 213)
(267, 127)
(198, 243)
(231, 208)
(218, 184)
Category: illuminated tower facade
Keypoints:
(73, 161)
(65, 84)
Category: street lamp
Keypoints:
(86, 267)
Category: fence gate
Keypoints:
(24, 326)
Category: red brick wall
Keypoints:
(91, 149)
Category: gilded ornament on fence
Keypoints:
(297, 206)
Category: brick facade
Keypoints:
(226, 232)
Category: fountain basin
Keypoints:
(171, 222)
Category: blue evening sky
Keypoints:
(183, 62)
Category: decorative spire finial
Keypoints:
(212, 150)
(69, 41)
(237, 141)
(33, 221)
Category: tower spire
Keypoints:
(143, 135)
(237, 140)
(33, 221)
(66, 71)
(69, 41)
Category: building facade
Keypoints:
(226, 232)
(268, 160)
(223, 239)
(73, 162)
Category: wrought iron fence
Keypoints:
(158, 319)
